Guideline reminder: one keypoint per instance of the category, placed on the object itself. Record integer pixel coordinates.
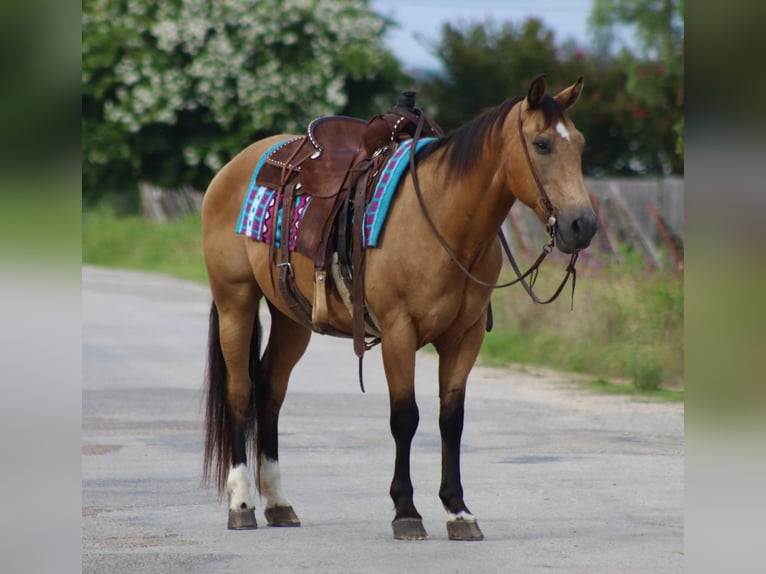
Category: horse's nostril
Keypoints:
(584, 228)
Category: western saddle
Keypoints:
(337, 162)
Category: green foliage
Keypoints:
(172, 90)
(655, 76)
(658, 26)
(484, 64)
(629, 111)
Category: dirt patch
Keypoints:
(136, 542)
(101, 424)
(94, 510)
(96, 449)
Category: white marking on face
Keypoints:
(238, 487)
(562, 130)
(462, 515)
(271, 483)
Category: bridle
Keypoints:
(550, 228)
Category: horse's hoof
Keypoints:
(409, 529)
(464, 530)
(242, 519)
(281, 516)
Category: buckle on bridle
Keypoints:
(550, 227)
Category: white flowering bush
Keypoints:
(173, 89)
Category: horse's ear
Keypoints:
(536, 92)
(568, 97)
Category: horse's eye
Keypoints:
(542, 145)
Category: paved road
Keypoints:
(560, 479)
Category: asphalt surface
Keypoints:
(559, 478)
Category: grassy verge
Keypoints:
(627, 322)
(660, 395)
(132, 242)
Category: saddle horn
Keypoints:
(407, 100)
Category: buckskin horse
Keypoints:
(428, 279)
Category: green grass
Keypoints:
(660, 395)
(627, 322)
(132, 242)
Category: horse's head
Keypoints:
(547, 160)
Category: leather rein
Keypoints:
(550, 227)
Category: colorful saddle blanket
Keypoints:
(255, 218)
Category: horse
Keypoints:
(428, 281)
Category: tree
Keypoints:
(172, 90)
(655, 74)
(485, 63)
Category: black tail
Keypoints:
(218, 422)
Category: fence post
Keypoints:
(604, 228)
(629, 221)
(666, 238)
(151, 199)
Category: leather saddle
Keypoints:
(319, 163)
(322, 157)
(336, 163)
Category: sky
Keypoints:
(567, 18)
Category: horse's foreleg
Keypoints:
(287, 343)
(398, 349)
(455, 362)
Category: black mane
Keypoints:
(465, 143)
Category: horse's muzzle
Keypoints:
(575, 231)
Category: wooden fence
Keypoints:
(168, 204)
(645, 215)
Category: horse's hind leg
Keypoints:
(455, 362)
(234, 349)
(287, 342)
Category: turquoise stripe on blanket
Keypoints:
(377, 210)
(245, 222)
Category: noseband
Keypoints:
(550, 228)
